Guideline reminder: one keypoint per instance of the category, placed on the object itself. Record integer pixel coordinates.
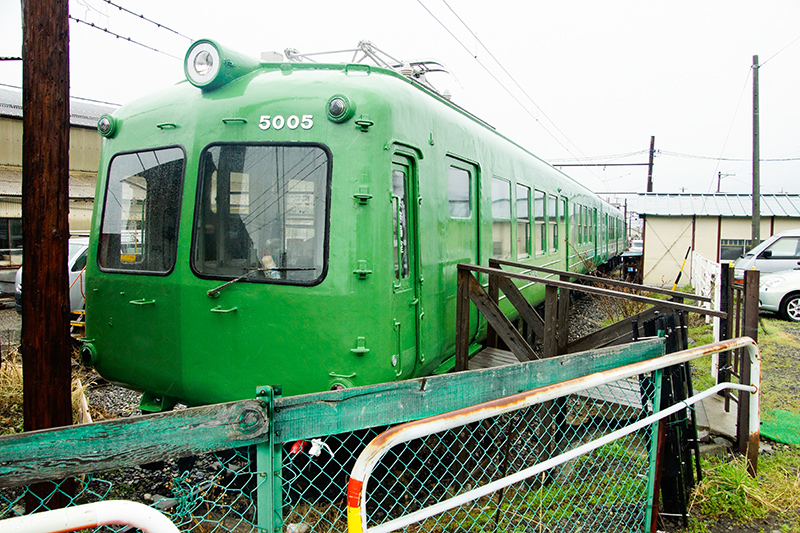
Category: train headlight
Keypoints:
(107, 126)
(202, 63)
(208, 65)
(340, 108)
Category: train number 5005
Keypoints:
(292, 122)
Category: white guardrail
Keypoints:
(91, 515)
(372, 454)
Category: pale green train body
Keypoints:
(335, 202)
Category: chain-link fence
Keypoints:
(214, 492)
(300, 484)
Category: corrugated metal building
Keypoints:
(84, 159)
(718, 226)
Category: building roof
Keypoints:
(81, 183)
(82, 112)
(716, 205)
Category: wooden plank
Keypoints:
(491, 358)
(625, 393)
(523, 306)
(611, 334)
(563, 318)
(125, 442)
(549, 342)
(504, 328)
(610, 282)
(494, 295)
(594, 290)
(462, 320)
(328, 413)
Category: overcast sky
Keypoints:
(568, 80)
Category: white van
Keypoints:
(779, 252)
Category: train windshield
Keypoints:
(262, 210)
(140, 216)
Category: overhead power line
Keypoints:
(691, 156)
(106, 30)
(507, 73)
(147, 19)
(490, 73)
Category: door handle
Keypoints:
(143, 302)
(219, 309)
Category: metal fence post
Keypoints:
(269, 460)
(654, 473)
(726, 301)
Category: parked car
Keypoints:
(780, 292)
(637, 245)
(76, 264)
(779, 252)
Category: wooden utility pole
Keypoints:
(45, 207)
(650, 165)
(756, 230)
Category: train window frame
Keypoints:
(501, 217)
(540, 222)
(573, 227)
(274, 261)
(455, 189)
(552, 223)
(400, 225)
(523, 217)
(112, 254)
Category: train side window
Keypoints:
(262, 210)
(523, 221)
(139, 230)
(562, 218)
(552, 219)
(540, 231)
(501, 215)
(400, 223)
(573, 226)
(459, 192)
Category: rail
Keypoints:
(383, 443)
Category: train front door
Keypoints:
(406, 307)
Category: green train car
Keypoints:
(300, 224)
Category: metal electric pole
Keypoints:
(45, 207)
(756, 230)
(650, 165)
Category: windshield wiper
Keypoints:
(214, 293)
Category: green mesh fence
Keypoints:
(212, 493)
(606, 490)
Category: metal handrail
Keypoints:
(91, 515)
(380, 445)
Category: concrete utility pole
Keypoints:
(45, 207)
(650, 165)
(756, 230)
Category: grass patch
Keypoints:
(728, 491)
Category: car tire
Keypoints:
(790, 307)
